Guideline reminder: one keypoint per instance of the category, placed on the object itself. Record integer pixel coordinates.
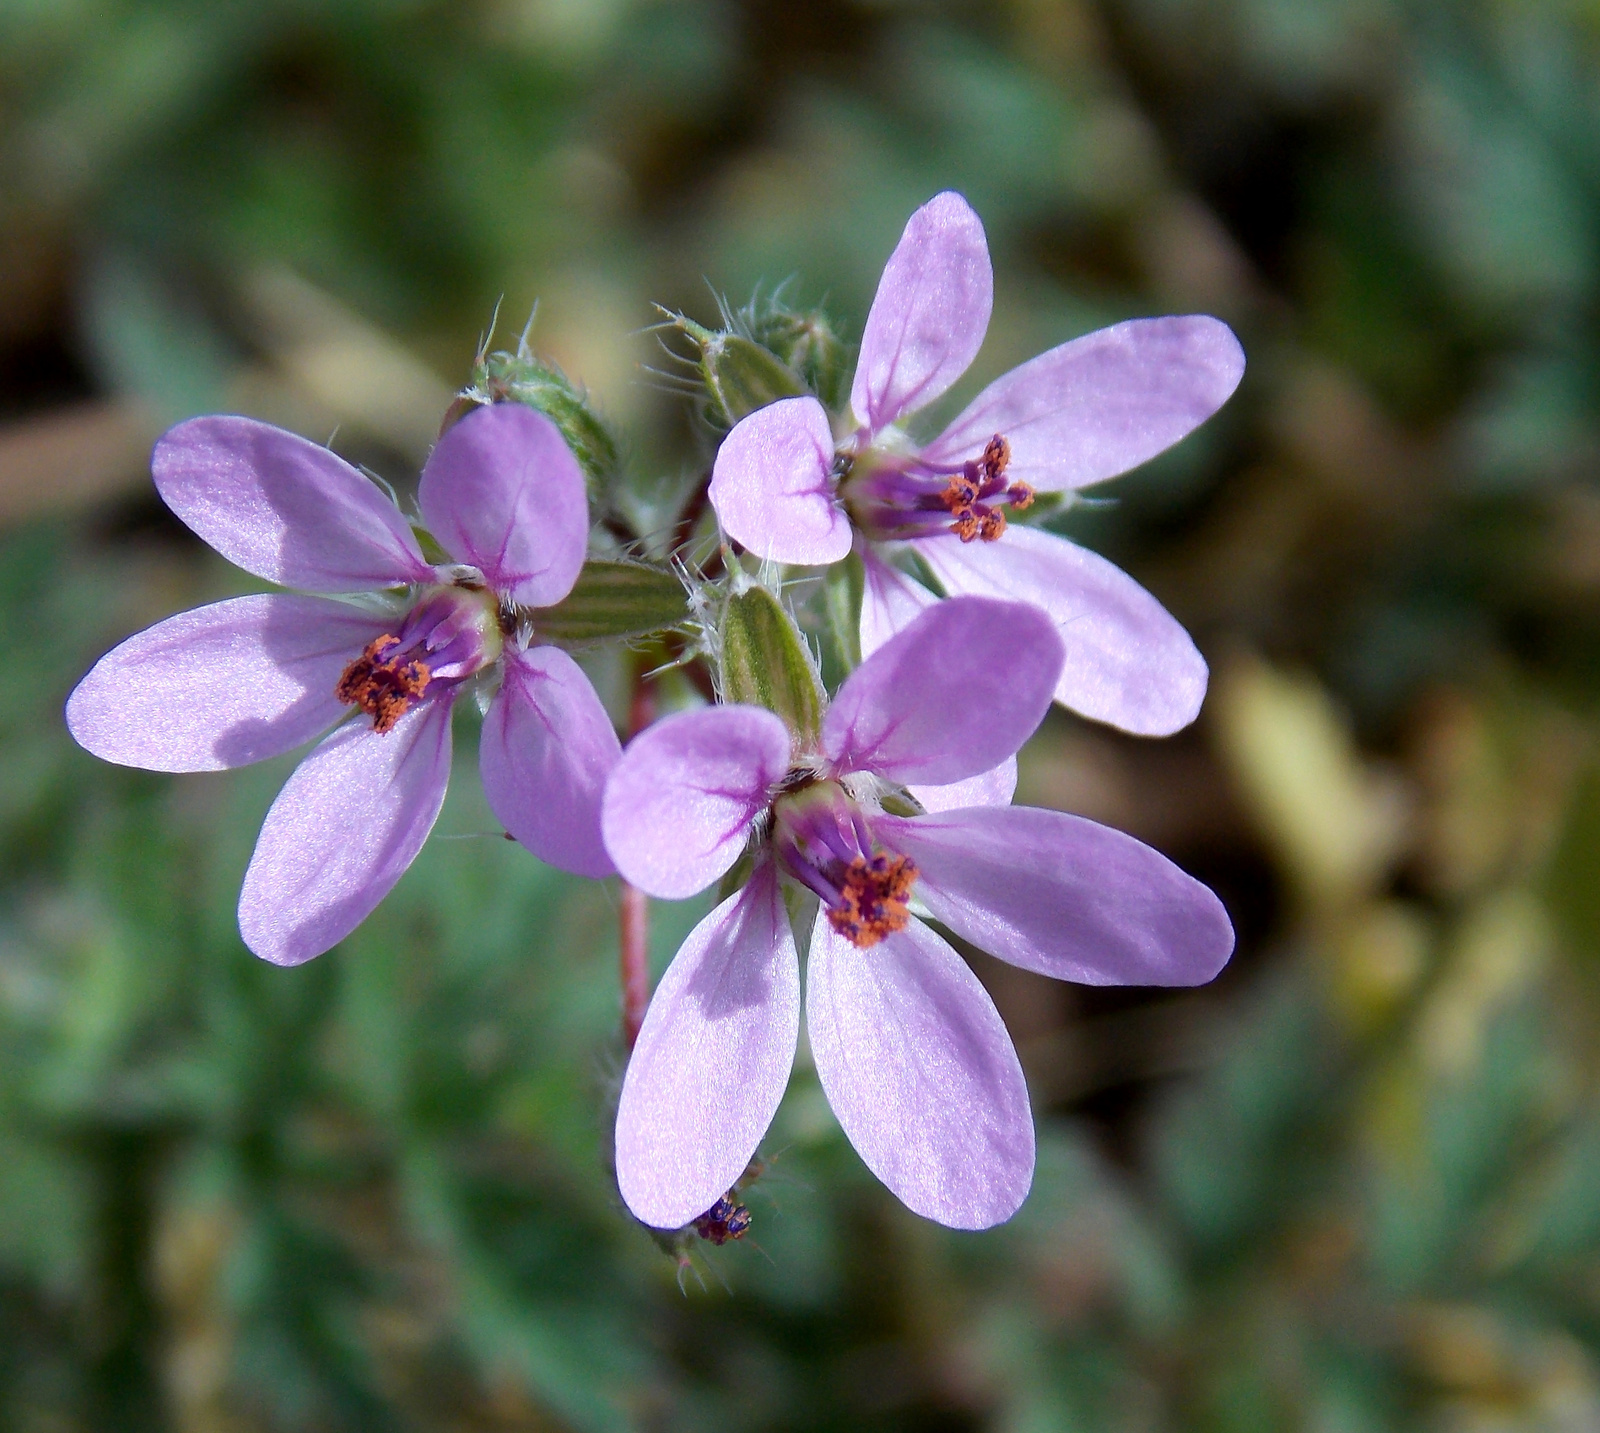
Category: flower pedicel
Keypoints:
(250, 678)
(1076, 415)
(909, 1048)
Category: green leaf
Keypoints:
(615, 599)
(765, 663)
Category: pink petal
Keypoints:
(921, 1073)
(546, 751)
(342, 832)
(283, 508)
(679, 805)
(955, 693)
(1066, 897)
(994, 787)
(503, 492)
(1101, 404)
(772, 485)
(929, 315)
(220, 686)
(712, 1060)
(1129, 662)
(889, 601)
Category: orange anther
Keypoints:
(383, 682)
(874, 899)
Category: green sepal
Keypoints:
(843, 590)
(764, 663)
(737, 876)
(800, 906)
(521, 377)
(739, 374)
(432, 552)
(615, 599)
(900, 803)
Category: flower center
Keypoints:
(824, 841)
(894, 496)
(447, 636)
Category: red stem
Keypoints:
(635, 919)
(634, 916)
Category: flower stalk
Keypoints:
(633, 915)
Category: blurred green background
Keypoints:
(1353, 1185)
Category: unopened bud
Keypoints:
(523, 378)
(765, 663)
(807, 343)
(739, 374)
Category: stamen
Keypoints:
(959, 494)
(384, 682)
(977, 495)
(726, 1219)
(873, 899)
(996, 456)
(891, 496)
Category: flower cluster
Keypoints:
(847, 826)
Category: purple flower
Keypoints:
(250, 678)
(1079, 414)
(907, 1044)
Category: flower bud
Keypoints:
(521, 377)
(739, 374)
(807, 343)
(765, 663)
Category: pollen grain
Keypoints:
(873, 899)
(383, 682)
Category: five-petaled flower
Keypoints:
(253, 677)
(908, 1046)
(1076, 415)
